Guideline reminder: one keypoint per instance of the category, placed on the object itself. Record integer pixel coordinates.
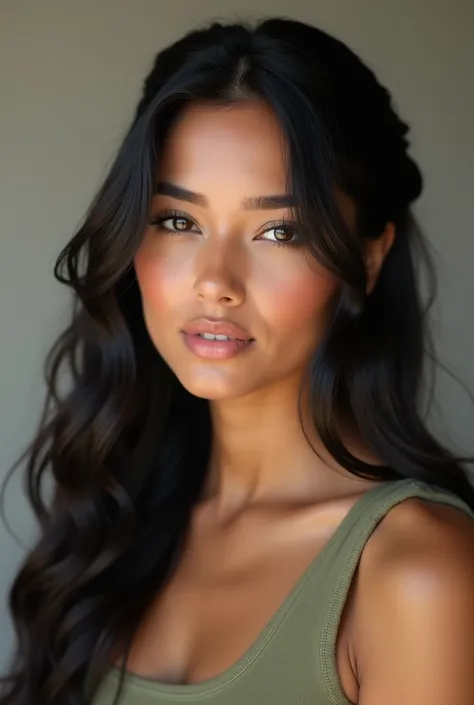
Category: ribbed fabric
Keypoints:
(293, 660)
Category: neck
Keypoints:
(261, 456)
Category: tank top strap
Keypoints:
(344, 554)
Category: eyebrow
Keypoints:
(283, 200)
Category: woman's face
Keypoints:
(222, 257)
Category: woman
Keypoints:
(247, 505)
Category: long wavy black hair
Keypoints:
(125, 444)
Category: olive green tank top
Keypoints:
(293, 660)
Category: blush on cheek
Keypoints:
(164, 274)
(150, 282)
(307, 300)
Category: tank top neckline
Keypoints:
(248, 657)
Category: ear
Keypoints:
(375, 253)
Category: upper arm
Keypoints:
(414, 627)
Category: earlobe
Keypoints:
(376, 252)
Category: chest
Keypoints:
(221, 597)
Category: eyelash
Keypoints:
(159, 218)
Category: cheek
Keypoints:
(159, 283)
(300, 301)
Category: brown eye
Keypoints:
(283, 234)
(179, 223)
(173, 222)
(280, 234)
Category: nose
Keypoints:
(217, 279)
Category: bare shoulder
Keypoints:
(417, 524)
(434, 533)
(414, 611)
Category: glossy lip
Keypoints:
(216, 327)
(215, 349)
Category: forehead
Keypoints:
(237, 143)
(229, 153)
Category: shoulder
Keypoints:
(423, 538)
(426, 530)
(414, 617)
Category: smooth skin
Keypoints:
(270, 503)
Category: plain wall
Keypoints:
(70, 74)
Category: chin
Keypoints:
(215, 387)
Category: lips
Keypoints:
(213, 327)
(232, 340)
